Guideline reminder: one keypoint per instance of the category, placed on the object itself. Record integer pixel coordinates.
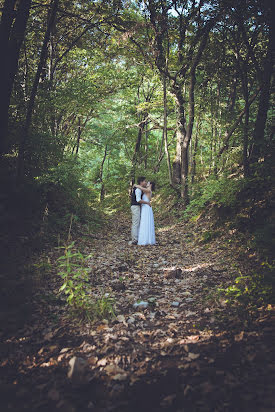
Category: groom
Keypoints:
(136, 202)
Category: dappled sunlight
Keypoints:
(172, 348)
(166, 228)
(197, 267)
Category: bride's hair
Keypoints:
(140, 179)
(153, 185)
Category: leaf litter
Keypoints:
(170, 346)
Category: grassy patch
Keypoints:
(252, 291)
(73, 270)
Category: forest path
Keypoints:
(183, 352)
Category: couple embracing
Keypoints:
(143, 227)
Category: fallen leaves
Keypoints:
(121, 318)
(193, 356)
(239, 336)
(164, 327)
(115, 372)
(78, 369)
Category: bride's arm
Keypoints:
(144, 189)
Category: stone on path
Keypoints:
(141, 305)
(173, 272)
(77, 370)
(175, 304)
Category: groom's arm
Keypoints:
(138, 198)
(144, 202)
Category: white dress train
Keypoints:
(146, 235)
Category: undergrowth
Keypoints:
(244, 205)
(221, 192)
(73, 269)
(252, 291)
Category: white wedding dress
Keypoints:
(146, 235)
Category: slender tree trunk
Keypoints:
(194, 164)
(242, 67)
(211, 147)
(245, 136)
(135, 155)
(165, 131)
(146, 146)
(186, 142)
(185, 136)
(80, 128)
(11, 38)
(102, 190)
(258, 135)
(137, 147)
(78, 136)
(26, 74)
(160, 155)
(181, 134)
(215, 147)
(8, 15)
(235, 125)
(242, 70)
(191, 110)
(43, 55)
(68, 124)
(184, 173)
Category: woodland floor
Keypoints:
(197, 356)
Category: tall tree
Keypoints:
(268, 65)
(172, 23)
(12, 32)
(43, 55)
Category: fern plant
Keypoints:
(73, 270)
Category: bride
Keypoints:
(146, 234)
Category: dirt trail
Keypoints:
(185, 351)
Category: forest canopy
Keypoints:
(94, 93)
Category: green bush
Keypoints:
(264, 238)
(73, 271)
(221, 192)
(72, 268)
(254, 290)
(65, 191)
(208, 235)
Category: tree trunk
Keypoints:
(181, 134)
(245, 134)
(186, 142)
(258, 135)
(165, 131)
(78, 136)
(137, 147)
(146, 146)
(43, 55)
(194, 164)
(235, 125)
(181, 163)
(102, 190)
(11, 38)
(184, 173)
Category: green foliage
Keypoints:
(73, 271)
(221, 192)
(43, 266)
(65, 192)
(208, 235)
(72, 268)
(264, 238)
(103, 308)
(253, 290)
